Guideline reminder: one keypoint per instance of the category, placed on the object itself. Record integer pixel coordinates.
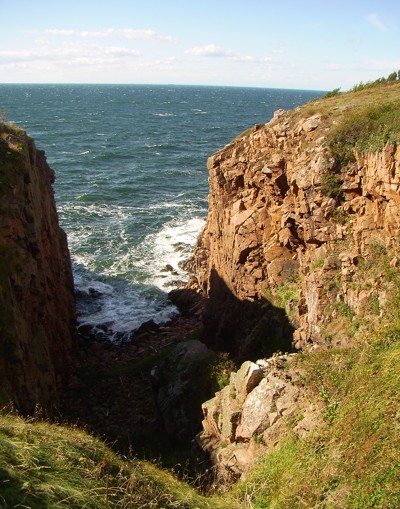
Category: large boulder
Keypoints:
(183, 382)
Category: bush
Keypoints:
(369, 128)
(332, 93)
(332, 186)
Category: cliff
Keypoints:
(301, 211)
(37, 310)
(300, 253)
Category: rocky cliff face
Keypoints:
(296, 232)
(37, 312)
(300, 252)
(263, 402)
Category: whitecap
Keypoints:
(162, 253)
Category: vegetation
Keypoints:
(332, 185)
(221, 370)
(353, 460)
(48, 466)
(332, 93)
(393, 76)
(368, 128)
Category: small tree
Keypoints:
(392, 76)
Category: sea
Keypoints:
(132, 182)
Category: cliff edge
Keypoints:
(37, 310)
(300, 253)
(302, 212)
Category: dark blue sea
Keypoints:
(131, 181)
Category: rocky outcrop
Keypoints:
(37, 311)
(289, 230)
(262, 403)
(182, 382)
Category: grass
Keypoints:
(368, 128)
(44, 465)
(353, 460)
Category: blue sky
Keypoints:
(305, 44)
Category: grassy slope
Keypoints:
(353, 461)
(43, 465)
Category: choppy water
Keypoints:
(131, 180)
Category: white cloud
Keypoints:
(70, 54)
(210, 50)
(374, 19)
(252, 60)
(126, 33)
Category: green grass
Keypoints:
(368, 128)
(43, 466)
(353, 460)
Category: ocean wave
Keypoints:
(163, 114)
(167, 249)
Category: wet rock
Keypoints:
(188, 301)
(95, 294)
(149, 327)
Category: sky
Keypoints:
(303, 44)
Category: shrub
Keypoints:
(332, 186)
(332, 93)
(369, 128)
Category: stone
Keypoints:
(255, 413)
(246, 379)
(311, 123)
(183, 384)
(36, 290)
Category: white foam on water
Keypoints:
(124, 309)
(122, 285)
(166, 249)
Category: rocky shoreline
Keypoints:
(111, 391)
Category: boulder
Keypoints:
(183, 383)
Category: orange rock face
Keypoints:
(37, 310)
(276, 226)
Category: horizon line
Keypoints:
(160, 85)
